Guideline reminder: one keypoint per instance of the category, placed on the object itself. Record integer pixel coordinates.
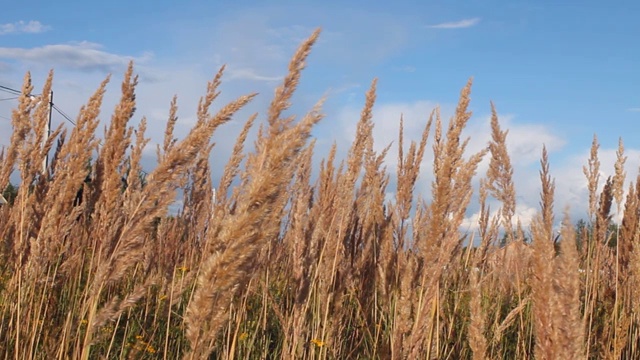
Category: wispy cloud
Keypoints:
(465, 23)
(634, 109)
(251, 74)
(83, 56)
(23, 27)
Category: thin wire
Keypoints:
(18, 92)
(54, 106)
(64, 115)
(10, 90)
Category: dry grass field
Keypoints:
(272, 262)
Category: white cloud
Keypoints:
(22, 27)
(634, 109)
(524, 142)
(462, 24)
(250, 74)
(83, 56)
(386, 119)
(524, 214)
(571, 183)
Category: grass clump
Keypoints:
(272, 262)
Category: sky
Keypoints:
(558, 71)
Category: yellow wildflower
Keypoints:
(318, 343)
(107, 329)
(143, 345)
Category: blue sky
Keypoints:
(558, 72)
